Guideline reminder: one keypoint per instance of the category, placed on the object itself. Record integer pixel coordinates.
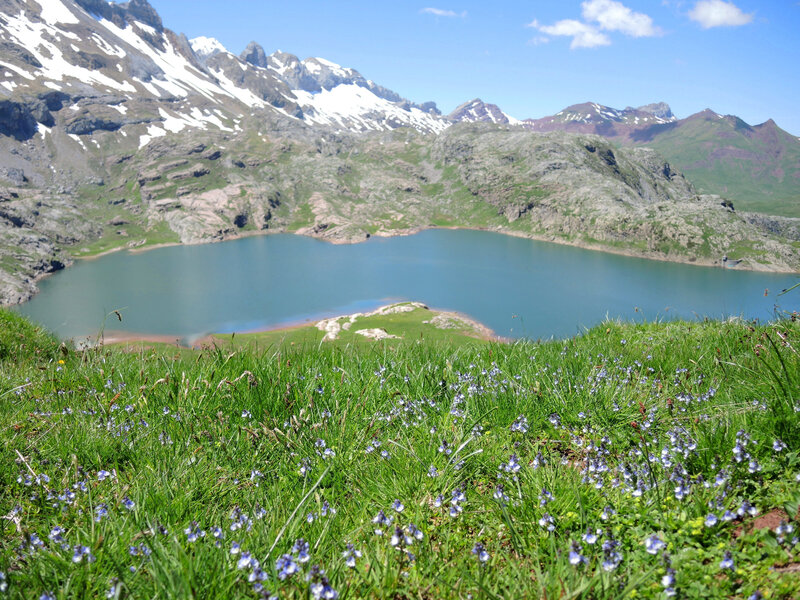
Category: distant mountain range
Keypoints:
(101, 66)
(758, 167)
(115, 130)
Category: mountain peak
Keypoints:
(478, 111)
(206, 46)
(658, 109)
(144, 12)
(122, 14)
(255, 55)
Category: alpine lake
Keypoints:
(517, 287)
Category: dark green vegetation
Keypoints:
(634, 460)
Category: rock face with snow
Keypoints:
(94, 48)
(204, 46)
(591, 117)
(477, 111)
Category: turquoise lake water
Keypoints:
(518, 287)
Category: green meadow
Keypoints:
(646, 460)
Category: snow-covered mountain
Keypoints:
(205, 46)
(591, 117)
(478, 111)
(92, 65)
(330, 94)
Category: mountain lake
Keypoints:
(515, 286)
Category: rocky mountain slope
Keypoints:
(117, 132)
(755, 166)
(477, 111)
(591, 117)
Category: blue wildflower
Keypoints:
(101, 511)
(480, 552)
(300, 549)
(286, 566)
(727, 562)
(654, 544)
(80, 552)
(575, 556)
(350, 555)
(547, 521)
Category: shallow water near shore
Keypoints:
(515, 286)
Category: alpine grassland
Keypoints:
(640, 460)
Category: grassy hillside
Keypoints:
(634, 461)
(756, 167)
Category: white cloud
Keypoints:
(615, 16)
(599, 16)
(583, 35)
(442, 13)
(717, 13)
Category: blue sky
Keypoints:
(534, 58)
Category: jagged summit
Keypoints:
(206, 46)
(119, 14)
(121, 55)
(477, 111)
(657, 109)
(255, 55)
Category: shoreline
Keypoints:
(660, 257)
(483, 332)
(691, 261)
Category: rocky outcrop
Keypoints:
(255, 55)
(16, 120)
(123, 13)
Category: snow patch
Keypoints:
(180, 76)
(17, 70)
(36, 38)
(241, 94)
(108, 48)
(146, 28)
(171, 123)
(153, 132)
(206, 46)
(332, 66)
(54, 11)
(77, 139)
(353, 107)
